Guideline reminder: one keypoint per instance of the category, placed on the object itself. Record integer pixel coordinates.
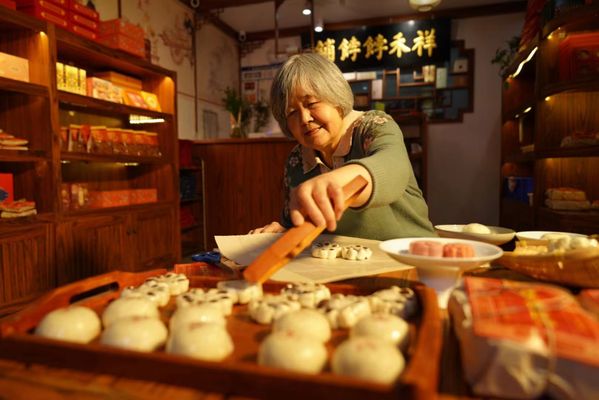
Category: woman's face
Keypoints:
(314, 123)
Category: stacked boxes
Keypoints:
(122, 35)
(54, 11)
(71, 79)
(83, 20)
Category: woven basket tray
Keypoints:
(574, 268)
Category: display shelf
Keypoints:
(88, 104)
(568, 152)
(528, 157)
(11, 20)
(587, 84)
(26, 156)
(573, 16)
(110, 210)
(31, 89)
(110, 158)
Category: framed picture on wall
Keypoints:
(460, 65)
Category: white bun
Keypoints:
(202, 313)
(135, 333)
(209, 342)
(368, 358)
(305, 322)
(386, 327)
(128, 307)
(290, 351)
(74, 324)
(476, 228)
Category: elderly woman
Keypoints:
(313, 103)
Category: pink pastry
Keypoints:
(426, 248)
(458, 250)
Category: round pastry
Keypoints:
(426, 248)
(135, 333)
(458, 250)
(177, 283)
(192, 296)
(271, 307)
(304, 322)
(476, 228)
(291, 351)
(157, 294)
(326, 250)
(245, 290)
(203, 313)
(209, 342)
(368, 358)
(344, 311)
(220, 297)
(356, 252)
(307, 294)
(384, 327)
(74, 324)
(128, 307)
(400, 301)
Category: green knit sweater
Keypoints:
(396, 208)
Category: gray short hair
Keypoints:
(317, 75)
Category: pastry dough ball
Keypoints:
(202, 313)
(326, 250)
(135, 333)
(307, 294)
(271, 307)
(356, 252)
(384, 327)
(344, 311)
(177, 283)
(209, 342)
(306, 323)
(400, 301)
(128, 307)
(368, 358)
(245, 290)
(476, 228)
(290, 351)
(74, 324)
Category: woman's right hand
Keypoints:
(273, 227)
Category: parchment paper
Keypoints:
(243, 249)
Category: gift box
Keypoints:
(84, 22)
(54, 7)
(119, 27)
(6, 187)
(41, 13)
(82, 31)
(142, 196)
(8, 3)
(121, 80)
(109, 198)
(82, 10)
(133, 98)
(14, 67)
(98, 88)
(123, 42)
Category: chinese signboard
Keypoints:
(407, 44)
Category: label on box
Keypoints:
(14, 67)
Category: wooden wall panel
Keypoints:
(154, 238)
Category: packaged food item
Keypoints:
(84, 138)
(64, 138)
(154, 145)
(79, 196)
(99, 140)
(118, 147)
(128, 144)
(74, 143)
(109, 198)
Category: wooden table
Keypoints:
(21, 381)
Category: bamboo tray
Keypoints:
(237, 375)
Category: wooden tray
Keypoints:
(237, 375)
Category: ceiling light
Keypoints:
(318, 25)
(424, 5)
(307, 8)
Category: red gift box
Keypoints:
(142, 196)
(80, 9)
(109, 198)
(83, 31)
(124, 43)
(47, 16)
(6, 187)
(43, 5)
(579, 56)
(84, 22)
(8, 3)
(122, 28)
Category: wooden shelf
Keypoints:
(111, 158)
(41, 218)
(520, 157)
(576, 15)
(567, 152)
(12, 19)
(86, 103)
(23, 156)
(521, 56)
(589, 84)
(415, 84)
(111, 210)
(30, 89)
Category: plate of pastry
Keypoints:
(544, 237)
(483, 233)
(441, 253)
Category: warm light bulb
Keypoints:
(424, 5)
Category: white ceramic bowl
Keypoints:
(497, 236)
(399, 250)
(534, 237)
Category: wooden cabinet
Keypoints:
(243, 183)
(550, 126)
(191, 190)
(139, 233)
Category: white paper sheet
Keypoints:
(243, 249)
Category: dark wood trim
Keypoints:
(452, 13)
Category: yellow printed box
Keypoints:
(14, 67)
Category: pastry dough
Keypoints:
(271, 307)
(308, 294)
(344, 311)
(128, 307)
(224, 299)
(157, 294)
(401, 302)
(209, 342)
(135, 333)
(368, 358)
(197, 313)
(291, 351)
(356, 252)
(177, 283)
(74, 324)
(306, 323)
(328, 250)
(245, 290)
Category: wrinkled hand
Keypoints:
(273, 227)
(319, 200)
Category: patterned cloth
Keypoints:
(396, 208)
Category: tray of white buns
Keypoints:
(375, 339)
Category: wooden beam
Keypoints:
(206, 5)
(451, 13)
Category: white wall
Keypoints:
(464, 159)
